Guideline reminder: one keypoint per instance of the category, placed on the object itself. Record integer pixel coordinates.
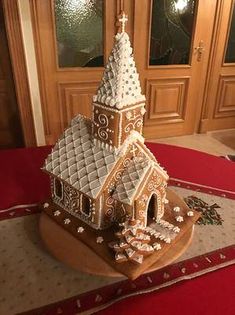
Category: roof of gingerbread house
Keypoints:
(120, 85)
(132, 178)
(80, 162)
(76, 160)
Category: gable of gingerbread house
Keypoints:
(135, 178)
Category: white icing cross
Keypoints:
(123, 21)
(133, 150)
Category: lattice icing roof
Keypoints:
(120, 84)
(131, 179)
(79, 162)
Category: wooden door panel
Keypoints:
(174, 91)
(65, 91)
(76, 97)
(225, 103)
(166, 99)
(219, 102)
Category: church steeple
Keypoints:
(118, 106)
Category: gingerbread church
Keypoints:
(101, 171)
(106, 183)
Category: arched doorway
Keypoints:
(152, 208)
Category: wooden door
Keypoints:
(68, 79)
(219, 102)
(172, 77)
(10, 129)
(174, 91)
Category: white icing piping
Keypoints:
(120, 130)
(144, 183)
(111, 109)
(133, 137)
(158, 166)
(101, 203)
(120, 84)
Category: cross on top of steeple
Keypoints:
(123, 21)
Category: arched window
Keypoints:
(85, 205)
(58, 188)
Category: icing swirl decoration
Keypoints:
(126, 162)
(110, 204)
(153, 184)
(109, 201)
(104, 122)
(132, 126)
(109, 212)
(118, 174)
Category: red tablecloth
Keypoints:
(22, 182)
(211, 294)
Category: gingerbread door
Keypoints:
(171, 49)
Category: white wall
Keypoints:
(27, 32)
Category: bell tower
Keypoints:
(118, 106)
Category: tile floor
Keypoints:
(217, 142)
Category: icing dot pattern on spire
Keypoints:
(120, 84)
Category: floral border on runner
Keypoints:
(101, 298)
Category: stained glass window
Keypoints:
(79, 32)
(171, 31)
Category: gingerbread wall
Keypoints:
(155, 184)
(132, 119)
(112, 126)
(113, 210)
(72, 201)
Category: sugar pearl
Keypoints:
(176, 209)
(80, 229)
(190, 214)
(179, 218)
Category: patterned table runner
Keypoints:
(30, 278)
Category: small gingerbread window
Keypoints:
(85, 205)
(58, 189)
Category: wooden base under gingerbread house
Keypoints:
(88, 250)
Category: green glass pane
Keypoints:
(79, 32)
(230, 52)
(171, 31)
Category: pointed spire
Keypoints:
(120, 85)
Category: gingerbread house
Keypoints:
(101, 171)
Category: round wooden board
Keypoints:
(66, 248)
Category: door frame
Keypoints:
(47, 72)
(208, 120)
(19, 69)
(152, 81)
